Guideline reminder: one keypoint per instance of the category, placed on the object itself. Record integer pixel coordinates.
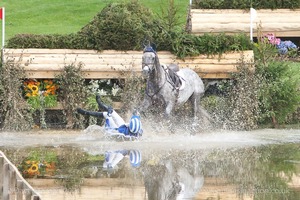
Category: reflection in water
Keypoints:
(112, 158)
(260, 172)
(178, 176)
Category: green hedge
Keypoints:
(72, 41)
(246, 4)
(126, 26)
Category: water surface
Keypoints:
(260, 164)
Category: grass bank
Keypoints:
(67, 16)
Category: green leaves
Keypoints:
(125, 26)
(73, 92)
(280, 94)
(210, 44)
(246, 4)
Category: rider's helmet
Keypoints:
(135, 158)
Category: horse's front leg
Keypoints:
(145, 104)
(169, 108)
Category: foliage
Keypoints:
(15, 113)
(133, 91)
(120, 26)
(245, 4)
(39, 162)
(53, 41)
(72, 93)
(287, 47)
(279, 94)
(40, 95)
(243, 100)
(70, 15)
(137, 25)
(191, 45)
(69, 161)
(170, 19)
(107, 89)
(37, 91)
(42, 155)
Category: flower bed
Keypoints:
(40, 93)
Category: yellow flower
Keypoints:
(34, 89)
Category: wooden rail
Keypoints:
(110, 64)
(12, 184)
(282, 22)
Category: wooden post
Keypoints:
(20, 190)
(35, 197)
(12, 184)
(28, 194)
(1, 175)
(6, 181)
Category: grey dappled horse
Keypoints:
(161, 86)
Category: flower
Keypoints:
(272, 39)
(31, 88)
(282, 46)
(34, 90)
(49, 87)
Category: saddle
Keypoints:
(173, 73)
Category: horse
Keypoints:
(168, 84)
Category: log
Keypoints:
(281, 22)
(111, 64)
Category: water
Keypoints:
(260, 164)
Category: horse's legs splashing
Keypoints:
(169, 108)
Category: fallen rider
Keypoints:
(113, 121)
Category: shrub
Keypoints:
(73, 93)
(245, 4)
(15, 113)
(120, 26)
(55, 41)
(279, 93)
(126, 26)
(242, 109)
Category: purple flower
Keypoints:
(284, 46)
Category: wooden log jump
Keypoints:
(111, 64)
(12, 184)
(281, 22)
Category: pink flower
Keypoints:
(272, 39)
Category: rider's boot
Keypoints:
(90, 113)
(102, 106)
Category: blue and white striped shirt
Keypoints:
(134, 127)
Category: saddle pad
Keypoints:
(180, 74)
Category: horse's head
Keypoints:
(148, 60)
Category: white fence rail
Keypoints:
(12, 185)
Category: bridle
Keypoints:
(151, 67)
